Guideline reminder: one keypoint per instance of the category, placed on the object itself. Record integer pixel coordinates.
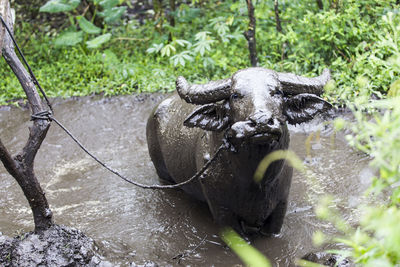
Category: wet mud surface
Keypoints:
(133, 225)
(57, 246)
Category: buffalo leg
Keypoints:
(161, 169)
(274, 222)
(221, 215)
(154, 147)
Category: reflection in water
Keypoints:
(135, 225)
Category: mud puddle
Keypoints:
(136, 225)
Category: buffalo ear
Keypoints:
(210, 117)
(304, 107)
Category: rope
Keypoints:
(48, 115)
(197, 175)
(35, 81)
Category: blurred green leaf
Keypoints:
(248, 254)
(55, 6)
(98, 41)
(87, 26)
(304, 263)
(107, 4)
(182, 58)
(69, 39)
(394, 89)
(288, 155)
(155, 48)
(113, 14)
(339, 124)
(168, 50)
(110, 58)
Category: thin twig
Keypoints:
(85, 10)
(182, 255)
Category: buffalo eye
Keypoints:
(278, 92)
(234, 96)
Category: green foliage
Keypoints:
(55, 6)
(377, 134)
(376, 239)
(360, 43)
(207, 48)
(376, 64)
(87, 26)
(111, 13)
(98, 41)
(357, 40)
(248, 254)
(69, 39)
(69, 72)
(287, 155)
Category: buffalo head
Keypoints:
(254, 103)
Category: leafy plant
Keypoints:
(55, 6)
(198, 49)
(181, 51)
(81, 28)
(375, 241)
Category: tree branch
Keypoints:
(171, 17)
(172, 6)
(277, 17)
(158, 14)
(21, 73)
(40, 127)
(320, 4)
(250, 34)
(279, 27)
(21, 167)
(7, 160)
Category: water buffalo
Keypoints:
(249, 111)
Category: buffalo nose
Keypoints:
(262, 120)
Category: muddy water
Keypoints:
(136, 225)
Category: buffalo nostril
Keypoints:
(252, 123)
(270, 122)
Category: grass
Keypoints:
(343, 41)
(73, 72)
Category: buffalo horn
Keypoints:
(212, 91)
(293, 84)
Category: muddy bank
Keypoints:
(57, 246)
(134, 225)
